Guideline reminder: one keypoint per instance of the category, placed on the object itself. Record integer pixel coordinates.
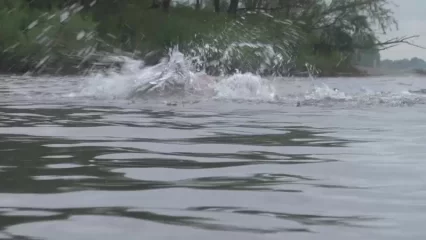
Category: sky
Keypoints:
(411, 17)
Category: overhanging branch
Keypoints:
(396, 41)
(393, 42)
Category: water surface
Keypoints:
(311, 162)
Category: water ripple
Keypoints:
(81, 168)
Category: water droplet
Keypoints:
(47, 29)
(64, 16)
(111, 36)
(78, 9)
(81, 35)
(11, 47)
(74, 5)
(51, 16)
(33, 24)
(42, 61)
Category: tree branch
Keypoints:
(393, 42)
(336, 19)
(347, 6)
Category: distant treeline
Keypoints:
(406, 64)
(222, 36)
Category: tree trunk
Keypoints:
(216, 5)
(249, 4)
(154, 4)
(288, 8)
(233, 6)
(166, 5)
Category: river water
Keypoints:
(300, 159)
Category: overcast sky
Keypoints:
(411, 16)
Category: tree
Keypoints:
(164, 4)
(233, 6)
(216, 4)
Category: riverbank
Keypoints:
(83, 71)
(89, 67)
(60, 40)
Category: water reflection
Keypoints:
(32, 165)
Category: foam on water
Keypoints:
(244, 86)
(323, 94)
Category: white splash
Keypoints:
(245, 86)
(174, 79)
(173, 75)
(325, 92)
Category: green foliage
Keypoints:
(216, 40)
(264, 37)
(34, 39)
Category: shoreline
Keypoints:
(84, 71)
(357, 71)
(80, 74)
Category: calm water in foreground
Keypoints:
(345, 164)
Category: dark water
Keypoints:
(348, 166)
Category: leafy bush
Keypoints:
(37, 35)
(34, 39)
